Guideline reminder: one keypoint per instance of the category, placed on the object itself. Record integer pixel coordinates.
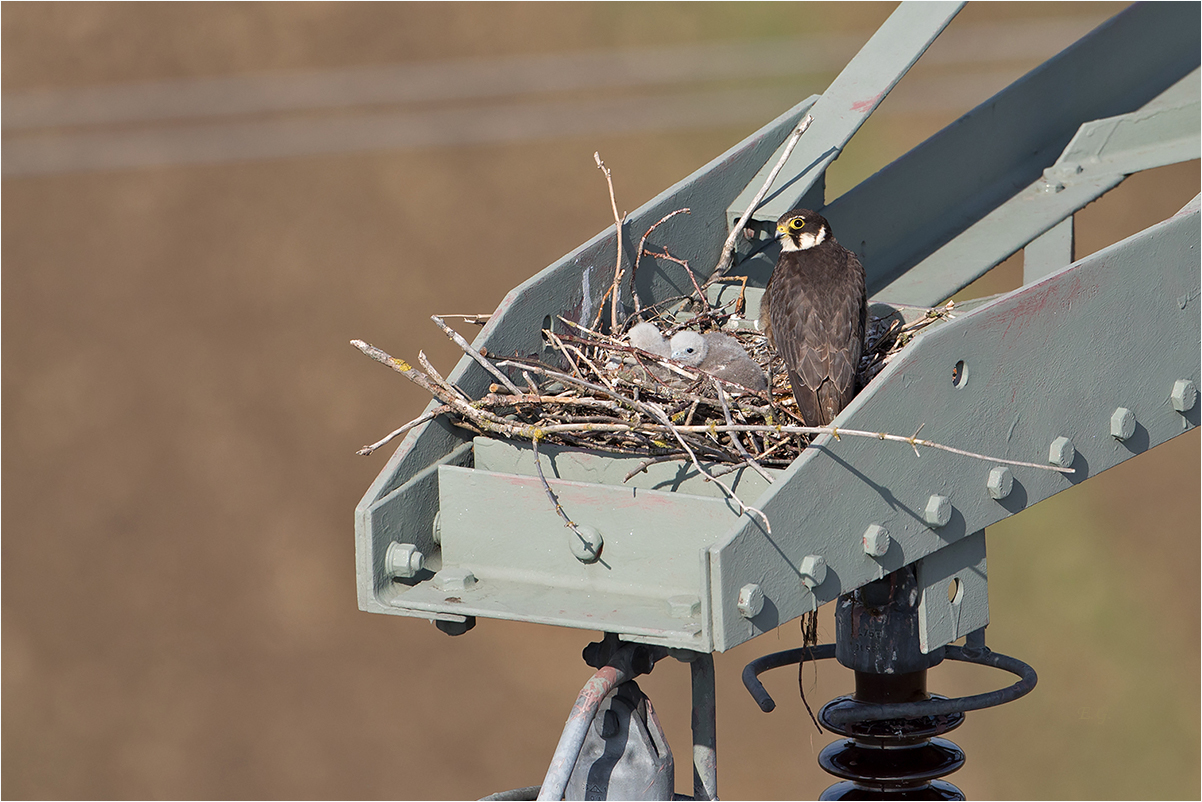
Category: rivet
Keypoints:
(1062, 452)
(403, 560)
(1122, 423)
(1185, 395)
(812, 570)
(452, 579)
(876, 540)
(1000, 482)
(684, 606)
(751, 600)
(586, 543)
(938, 511)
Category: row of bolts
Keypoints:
(404, 560)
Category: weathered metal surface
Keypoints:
(845, 106)
(897, 218)
(1044, 361)
(1050, 251)
(948, 611)
(579, 465)
(504, 531)
(1078, 177)
(390, 519)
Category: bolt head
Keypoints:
(751, 600)
(586, 543)
(812, 570)
(938, 511)
(1185, 395)
(403, 560)
(1000, 482)
(684, 606)
(876, 540)
(1062, 452)
(1122, 423)
(454, 579)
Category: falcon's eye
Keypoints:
(797, 223)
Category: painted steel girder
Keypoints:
(1054, 359)
(1015, 386)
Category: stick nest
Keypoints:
(593, 390)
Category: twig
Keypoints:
(836, 432)
(558, 343)
(482, 419)
(431, 415)
(683, 263)
(538, 465)
(616, 288)
(730, 494)
(728, 249)
(734, 437)
(639, 255)
(479, 320)
(647, 463)
(474, 354)
(437, 377)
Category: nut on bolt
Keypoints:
(812, 570)
(586, 543)
(751, 600)
(1062, 452)
(938, 511)
(1122, 423)
(453, 579)
(876, 540)
(403, 560)
(1185, 395)
(1000, 482)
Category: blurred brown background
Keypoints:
(203, 203)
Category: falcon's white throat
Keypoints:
(804, 242)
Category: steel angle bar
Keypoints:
(1041, 372)
(846, 105)
(907, 211)
(1099, 157)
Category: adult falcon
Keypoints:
(814, 311)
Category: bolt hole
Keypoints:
(955, 591)
(960, 374)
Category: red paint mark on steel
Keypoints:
(867, 105)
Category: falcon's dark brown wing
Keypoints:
(815, 314)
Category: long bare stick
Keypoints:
(437, 377)
(431, 415)
(616, 288)
(538, 465)
(897, 438)
(728, 249)
(474, 354)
